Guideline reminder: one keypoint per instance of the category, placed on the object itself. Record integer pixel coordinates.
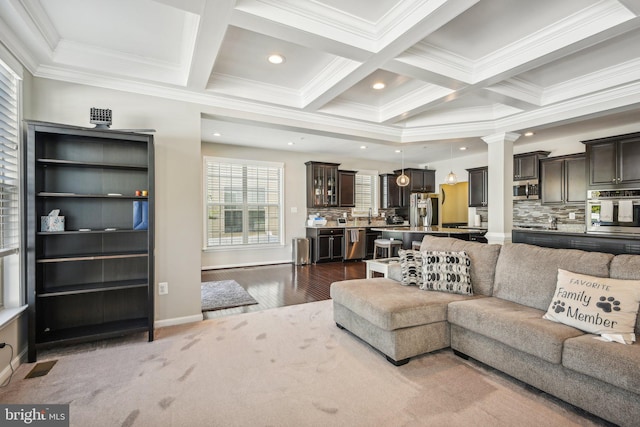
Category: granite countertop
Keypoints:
(431, 230)
(359, 224)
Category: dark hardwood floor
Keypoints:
(284, 284)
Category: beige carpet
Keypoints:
(289, 366)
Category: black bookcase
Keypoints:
(93, 280)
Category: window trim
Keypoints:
(245, 162)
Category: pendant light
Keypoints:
(402, 180)
(451, 178)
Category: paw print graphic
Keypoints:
(558, 306)
(608, 304)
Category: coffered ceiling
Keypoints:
(454, 70)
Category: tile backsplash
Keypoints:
(533, 212)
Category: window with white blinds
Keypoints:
(9, 215)
(9, 179)
(366, 193)
(244, 202)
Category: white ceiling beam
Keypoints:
(412, 35)
(192, 6)
(211, 31)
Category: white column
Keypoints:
(500, 188)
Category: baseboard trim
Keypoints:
(178, 321)
(247, 264)
(15, 362)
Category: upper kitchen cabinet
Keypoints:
(478, 186)
(347, 188)
(390, 194)
(614, 162)
(420, 180)
(525, 166)
(563, 179)
(322, 184)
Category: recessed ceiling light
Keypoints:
(398, 151)
(528, 133)
(291, 143)
(378, 86)
(217, 134)
(276, 58)
(363, 147)
(462, 148)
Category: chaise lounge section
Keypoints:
(502, 324)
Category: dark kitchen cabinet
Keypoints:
(562, 180)
(391, 196)
(420, 180)
(478, 186)
(94, 278)
(322, 184)
(614, 162)
(347, 188)
(525, 166)
(327, 244)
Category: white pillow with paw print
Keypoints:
(599, 305)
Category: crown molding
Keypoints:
(244, 88)
(519, 89)
(40, 19)
(601, 80)
(335, 71)
(438, 60)
(583, 24)
(412, 100)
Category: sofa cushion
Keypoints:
(609, 362)
(389, 305)
(410, 267)
(483, 258)
(515, 325)
(626, 267)
(600, 305)
(527, 274)
(446, 271)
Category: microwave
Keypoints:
(613, 211)
(526, 190)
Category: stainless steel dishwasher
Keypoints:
(355, 243)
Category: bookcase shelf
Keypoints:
(94, 279)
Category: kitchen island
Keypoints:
(415, 234)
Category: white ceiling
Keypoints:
(455, 70)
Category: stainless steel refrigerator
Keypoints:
(423, 209)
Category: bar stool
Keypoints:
(387, 245)
(415, 245)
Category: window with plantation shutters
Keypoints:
(9, 178)
(243, 202)
(366, 193)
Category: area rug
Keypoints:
(224, 294)
(285, 367)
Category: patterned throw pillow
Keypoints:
(411, 267)
(599, 305)
(446, 272)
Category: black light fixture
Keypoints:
(402, 180)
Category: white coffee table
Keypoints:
(380, 265)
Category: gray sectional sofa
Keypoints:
(501, 325)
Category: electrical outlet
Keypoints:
(163, 288)
(572, 215)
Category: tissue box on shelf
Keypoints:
(52, 222)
